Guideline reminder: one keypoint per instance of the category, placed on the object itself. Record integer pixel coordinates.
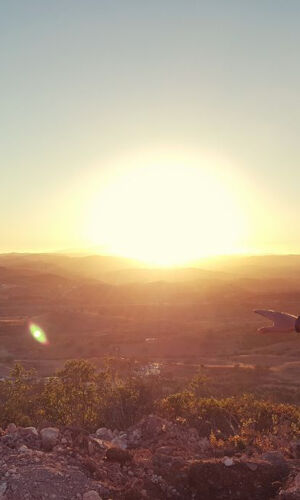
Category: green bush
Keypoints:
(76, 395)
(80, 395)
(19, 397)
(71, 398)
(229, 416)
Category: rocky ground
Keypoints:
(154, 459)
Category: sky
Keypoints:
(93, 89)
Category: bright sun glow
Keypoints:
(167, 214)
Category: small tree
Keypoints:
(19, 396)
(71, 398)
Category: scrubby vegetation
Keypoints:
(76, 395)
(236, 421)
(82, 396)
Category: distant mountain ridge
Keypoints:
(121, 270)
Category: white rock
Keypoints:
(49, 437)
(228, 462)
(91, 495)
(32, 430)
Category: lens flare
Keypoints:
(38, 333)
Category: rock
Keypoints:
(154, 428)
(134, 438)
(30, 431)
(24, 449)
(252, 466)
(119, 442)
(118, 455)
(169, 464)
(29, 435)
(292, 492)
(3, 488)
(149, 428)
(49, 437)
(274, 457)
(104, 433)
(96, 445)
(228, 461)
(91, 495)
(153, 425)
(23, 436)
(11, 429)
(76, 436)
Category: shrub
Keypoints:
(79, 395)
(19, 396)
(76, 395)
(71, 398)
(231, 416)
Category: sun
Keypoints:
(166, 213)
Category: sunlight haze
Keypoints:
(168, 211)
(163, 131)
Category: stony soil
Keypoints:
(155, 459)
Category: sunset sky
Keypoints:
(150, 128)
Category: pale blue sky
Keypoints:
(84, 81)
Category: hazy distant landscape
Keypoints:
(97, 306)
